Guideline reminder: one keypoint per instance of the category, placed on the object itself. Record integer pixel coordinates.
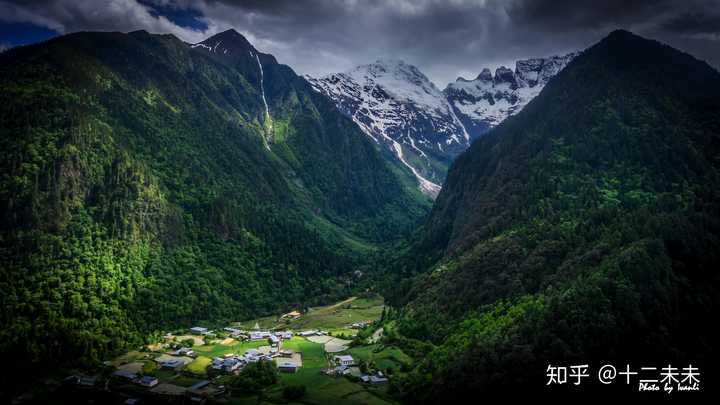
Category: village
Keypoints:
(197, 364)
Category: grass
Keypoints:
(219, 350)
(199, 365)
(321, 389)
(333, 318)
(313, 354)
(337, 317)
(383, 357)
(131, 357)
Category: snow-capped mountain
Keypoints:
(401, 109)
(487, 100)
(425, 128)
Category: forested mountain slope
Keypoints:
(585, 229)
(147, 183)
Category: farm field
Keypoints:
(334, 318)
(382, 357)
(316, 354)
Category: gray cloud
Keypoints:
(66, 16)
(444, 38)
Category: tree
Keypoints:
(254, 377)
(294, 392)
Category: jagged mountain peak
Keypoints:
(485, 75)
(400, 108)
(229, 42)
(391, 66)
(490, 98)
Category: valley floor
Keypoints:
(319, 334)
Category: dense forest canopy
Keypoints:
(584, 229)
(147, 184)
(144, 185)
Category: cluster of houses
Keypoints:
(359, 325)
(184, 351)
(272, 337)
(374, 379)
(199, 392)
(307, 333)
(343, 364)
(264, 334)
(171, 364)
(144, 381)
(231, 362)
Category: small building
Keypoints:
(148, 381)
(259, 335)
(378, 380)
(344, 360)
(197, 330)
(284, 335)
(200, 385)
(273, 340)
(286, 353)
(234, 332)
(185, 351)
(87, 381)
(232, 364)
(287, 367)
(308, 333)
(124, 375)
(173, 364)
(340, 371)
(365, 378)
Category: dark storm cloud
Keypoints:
(458, 37)
(695, 23)
(444, 38)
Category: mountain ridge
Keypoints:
(584, 228)
(425, 128)
(142, 187)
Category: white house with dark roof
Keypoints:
(344, 360)
(287, 367)
(259, 335)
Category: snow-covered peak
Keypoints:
(401, 81)
(395, 104)
(489, 99)
(539, 70)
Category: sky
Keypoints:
(444, 38)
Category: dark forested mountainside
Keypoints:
(585, 229)
(145, 183)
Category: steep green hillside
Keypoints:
(143, 184)
(583, 230)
